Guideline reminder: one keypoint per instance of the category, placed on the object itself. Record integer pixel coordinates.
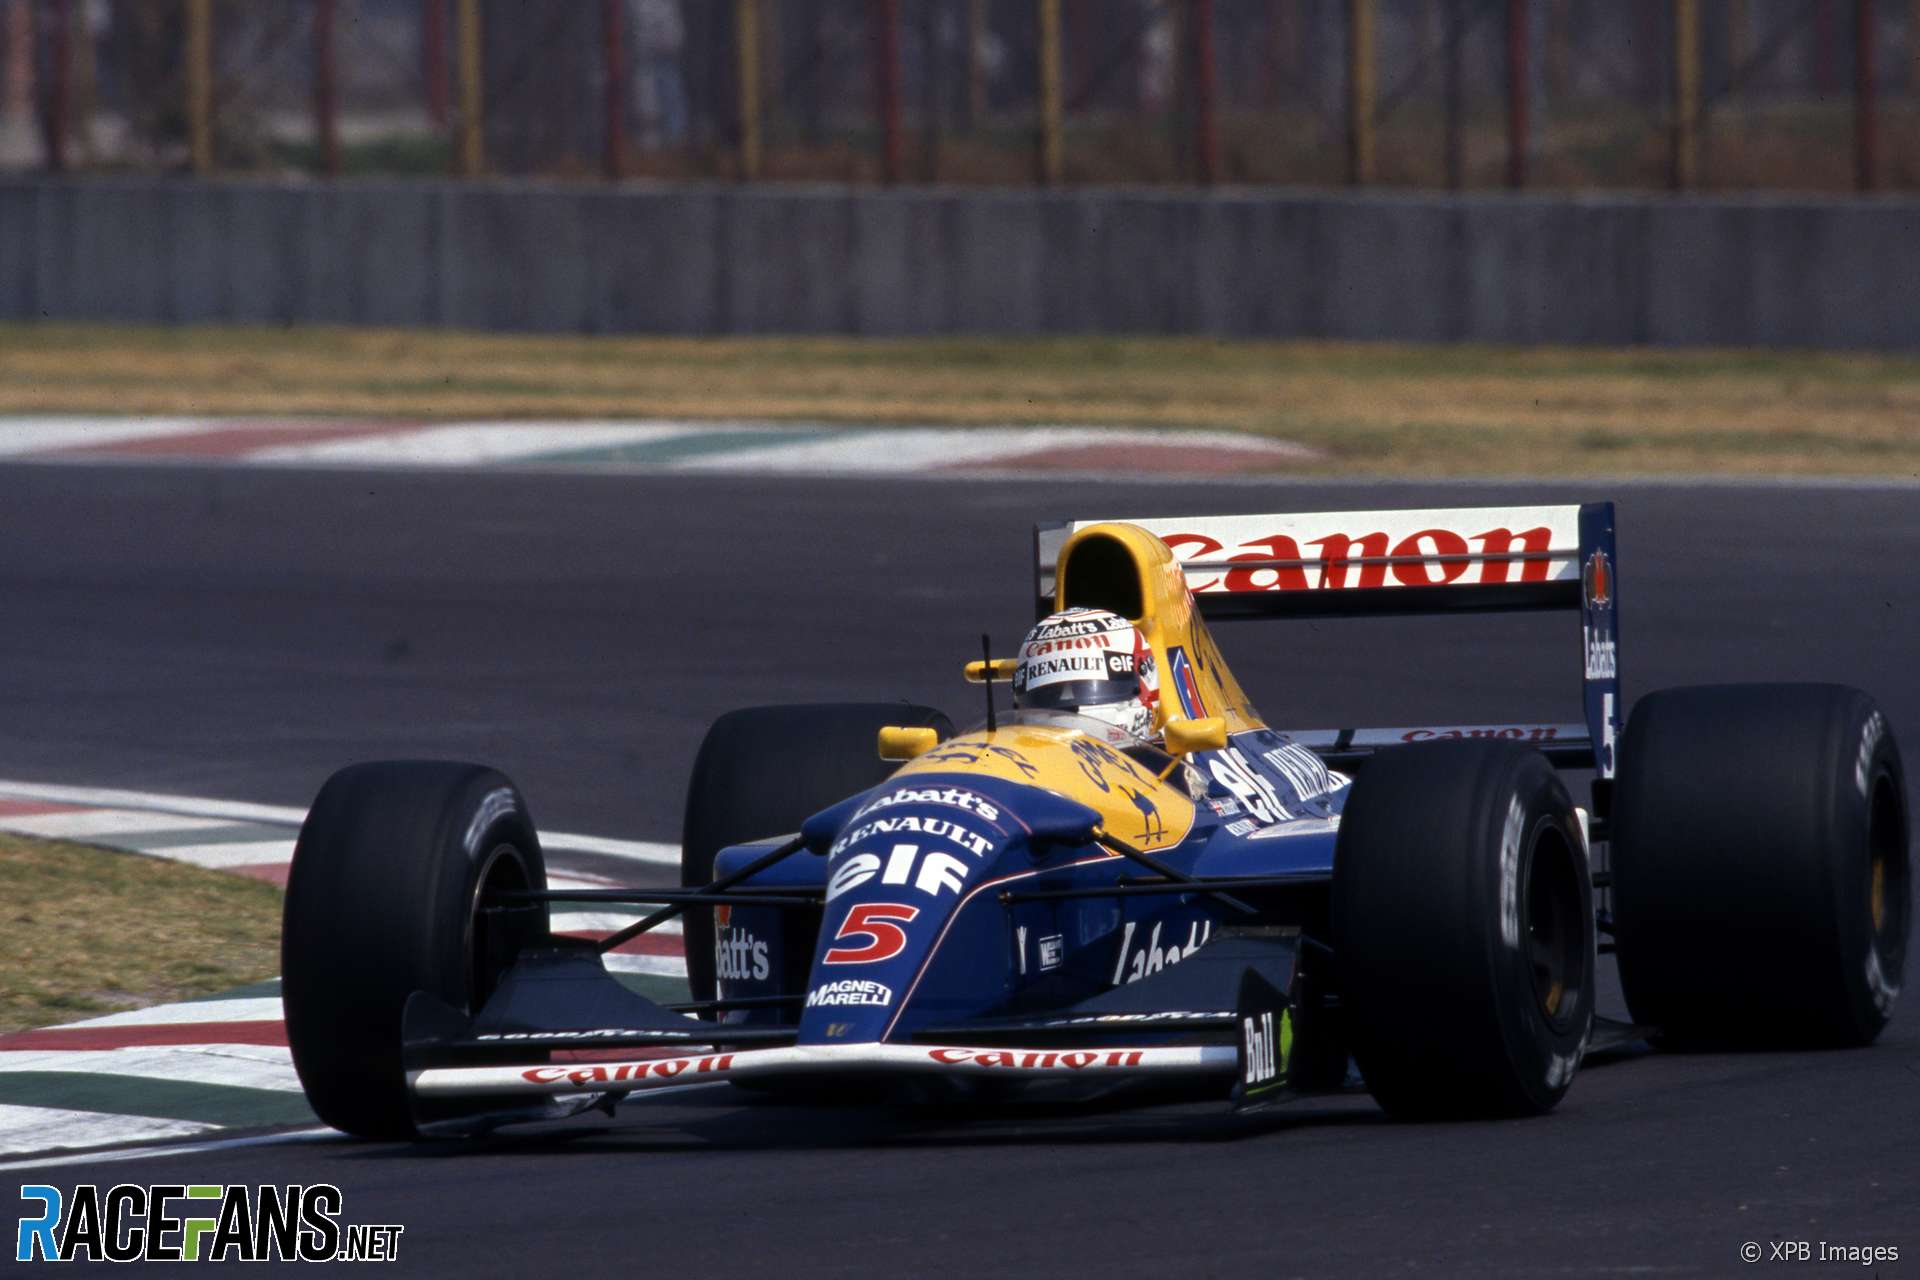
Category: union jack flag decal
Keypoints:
(1184, 684)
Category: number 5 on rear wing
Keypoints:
(1434, 560)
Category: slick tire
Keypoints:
(761, 772)
(393, 864)
(1762, 889)
(1463, 931)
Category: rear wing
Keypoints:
(1430, 560)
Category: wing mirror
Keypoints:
(992, 671)
(1184, 737)
(904, 742)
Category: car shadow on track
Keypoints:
(756, 1125)
(734, 1120)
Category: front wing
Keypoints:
(802, 1061)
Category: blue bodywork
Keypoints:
(946, 948)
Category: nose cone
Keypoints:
(901, 867)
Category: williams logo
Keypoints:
(130, 1223)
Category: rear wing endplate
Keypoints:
(1428, 560)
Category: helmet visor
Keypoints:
(1070, 695)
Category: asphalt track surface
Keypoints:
(239, 633)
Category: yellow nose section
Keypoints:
(1133, 804)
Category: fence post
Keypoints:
(1052, 157)
(1739, 41)
(886, 86)
(976, 71)
(1913, 46)
(472, 151)
(1826, 79)
(1686, 94)
(1455, 93)
(1866, 123)
(1518, 84)
(1206, 132)
(613, 101)
(1360, 92)
(17, 76)
(84, 100)
(59, 107)
(433, 59)
(199, 59)
(746, 34)
(325, 121)
(932, 89)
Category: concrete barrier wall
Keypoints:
(714, 259)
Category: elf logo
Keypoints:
(175, 1223)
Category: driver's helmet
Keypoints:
(1092, 663)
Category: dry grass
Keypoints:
(86, 931)
(1370, 407)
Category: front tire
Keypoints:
(383, 900)
(1463, 931)
(1762, 882)
(761, 772)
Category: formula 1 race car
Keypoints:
(878, 907)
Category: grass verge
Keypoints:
(1369, 408)
(87, 931)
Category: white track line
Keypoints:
(471, 444)
(114, 798)
(920, 449)
(245, 1009)
(652, 852)
(250, 1066)
(176, 1149)
(247, 853)
(557, 880)
(634, 850)
(52, 1128)
(36, 435)
(607, 922)
(653, 966)
(101, 822)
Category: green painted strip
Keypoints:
(656, 988)
(225, 833)
(253, 990)
(221, 1104)
(694, 444)
(653, 986)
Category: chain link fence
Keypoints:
(1695, 94)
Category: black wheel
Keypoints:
(761, 772)
(1762, 888)
(384, 898)
(1463, 931)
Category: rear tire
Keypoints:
(1762, 882)
(1463, 931)
(392, 863)
(761, 772)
